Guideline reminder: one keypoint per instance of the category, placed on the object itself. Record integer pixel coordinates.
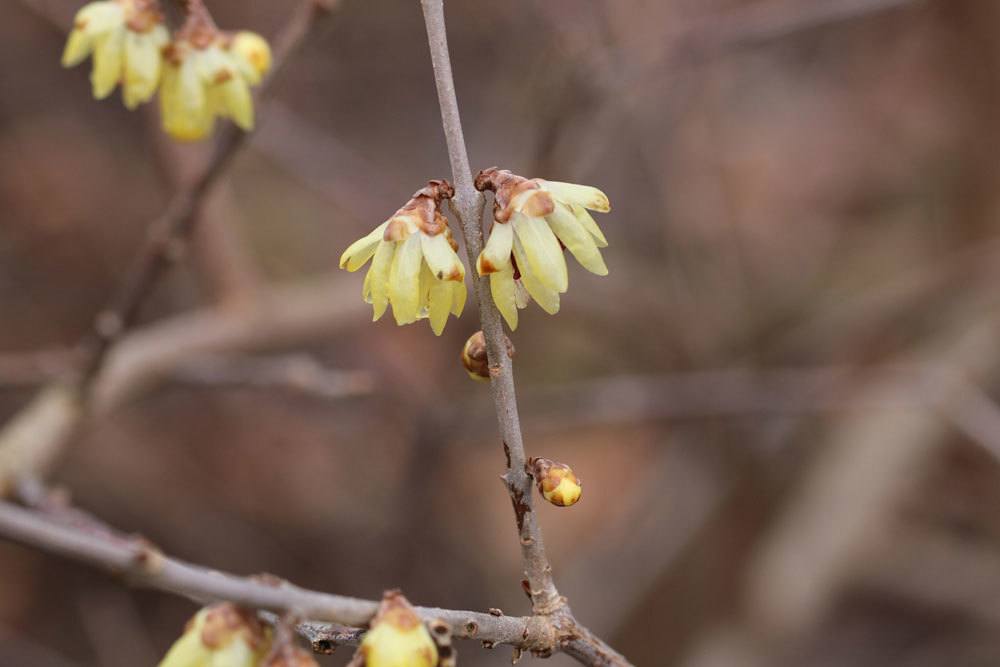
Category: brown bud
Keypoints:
(556, 481)
(474, 356)
(441, 634)
(513, 193)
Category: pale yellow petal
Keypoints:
(91, 22)
(404, 280)
(188, 651)
(580, 195)
(236, 102)
(378, 278)
(78, 47)
(521, 296)
(588, 223)
(253, 54)
(503, 290)
(576, 239)
(544, 254)
(425, 281)
(109, 52)
(442, 260)
(183, 105)
(96, 18)
(496, 254)
(458, 296)
(362, 250)
(236, 654)
(142, 66)
(440, 304)
(544, 296)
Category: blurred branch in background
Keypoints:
(846, 500)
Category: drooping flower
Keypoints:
(534, 220)
(126, 38)
(222, 635)
(208, 73)
(398, 638)
(414, 268)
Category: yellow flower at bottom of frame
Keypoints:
(534, 220)
(126, 38)
(222, 635)
(414, 268)
(205, 79)
(398, 638)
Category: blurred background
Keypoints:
(779, 400)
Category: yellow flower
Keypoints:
(126, 38)
(534, 220)
(398, 638)
(222, 635)
(252, 54)
(208, 74)
(414, 265)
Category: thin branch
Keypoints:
(544, 595)
(468, 203)
(141, 564)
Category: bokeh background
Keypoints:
(779, 399)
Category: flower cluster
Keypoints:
(414, 268)
(202, 73)
(222, 635)
(533, 220)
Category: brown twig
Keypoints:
(145, 566)
(547, 604)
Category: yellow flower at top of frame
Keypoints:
(208, 74)
(126, 38)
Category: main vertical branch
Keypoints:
(469, 207)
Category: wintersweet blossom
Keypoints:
(414, 268)
(398, 638)
(208, 74)
(534, 220)
(126, 38)
(222, 635)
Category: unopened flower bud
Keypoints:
(474, 356)
(398, 638)
(556, 481)
(222, 635)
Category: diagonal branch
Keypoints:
(570, 637)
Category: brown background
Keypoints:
(804, 192)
